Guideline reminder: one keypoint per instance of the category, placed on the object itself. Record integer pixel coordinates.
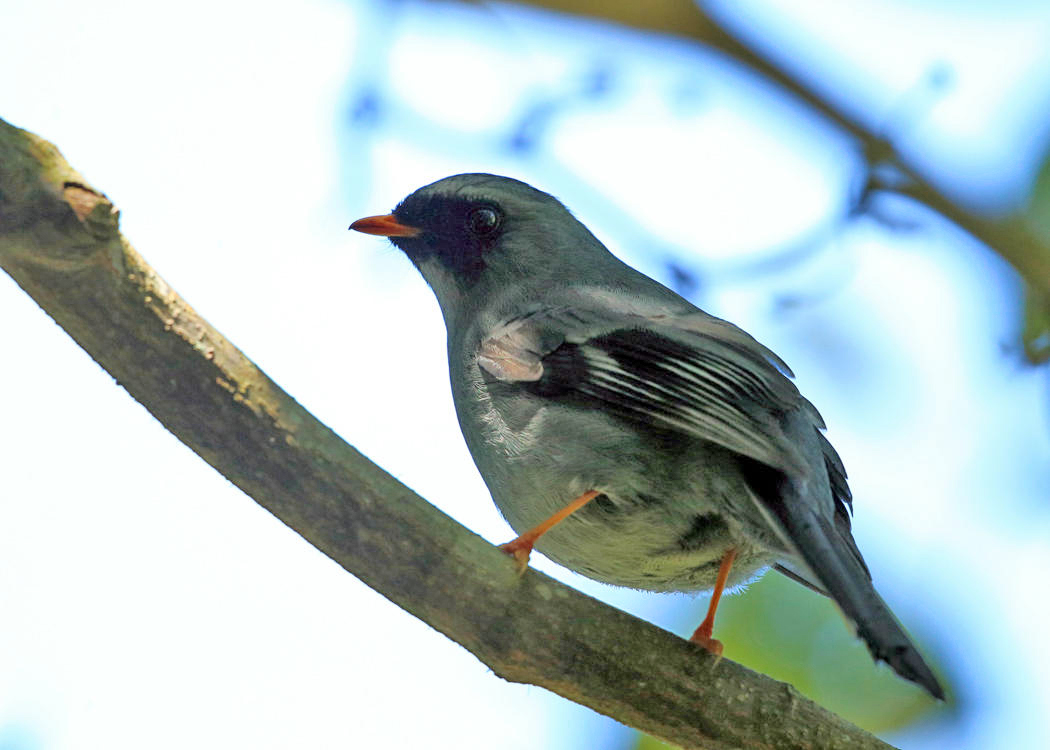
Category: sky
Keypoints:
(147, 602)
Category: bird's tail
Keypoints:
(841, 572)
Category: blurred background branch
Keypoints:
(1012, 236)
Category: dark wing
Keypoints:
(705, 378)
(692, 374)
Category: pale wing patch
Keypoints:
(511, 353)
(506, 361)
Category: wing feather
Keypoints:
(678, 380)
(705, 378)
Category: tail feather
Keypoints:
(842, 573)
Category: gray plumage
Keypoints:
(571, 371)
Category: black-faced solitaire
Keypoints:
(626, 433)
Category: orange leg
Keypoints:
(703, 633)
(521, 548)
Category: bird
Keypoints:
(622, 431)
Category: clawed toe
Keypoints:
(711, 645)
(520, 551)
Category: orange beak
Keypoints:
(384, 226)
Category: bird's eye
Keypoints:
(484, 221)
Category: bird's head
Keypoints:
(474, 235)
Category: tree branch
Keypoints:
(59, 240)
(1010, 236)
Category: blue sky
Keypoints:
(149, 603)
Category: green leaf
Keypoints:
(782, 629)
(1035, 333)
(792, 634)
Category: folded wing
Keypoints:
(705, 378)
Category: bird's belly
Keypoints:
(661, 523)
(644, 551)
(660, 530)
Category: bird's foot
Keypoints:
(520, 549)
(704, 639)
(702, 635)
